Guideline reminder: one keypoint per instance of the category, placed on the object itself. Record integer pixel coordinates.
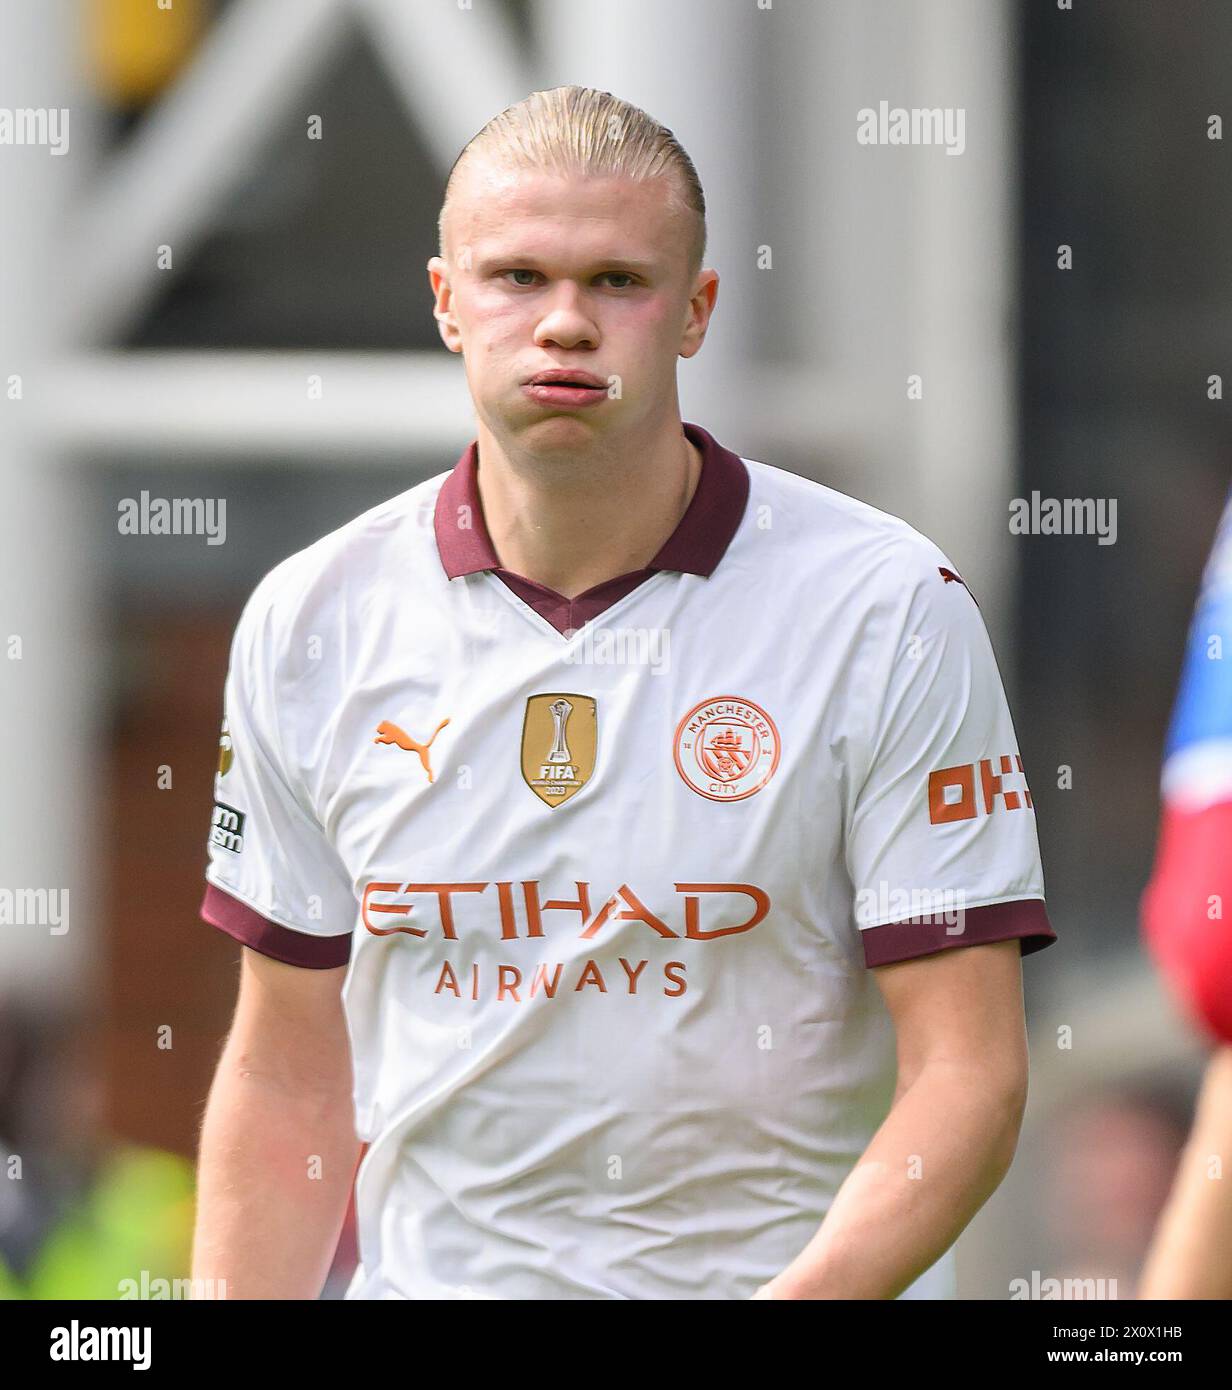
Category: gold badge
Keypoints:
(225, 751)
(559, 737)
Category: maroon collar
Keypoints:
(695, 547)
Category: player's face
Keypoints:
(586, 274)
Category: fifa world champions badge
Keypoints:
(726, 748)
(226, 751)
(559, 738)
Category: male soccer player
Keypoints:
(648, 820)
(1188, 927)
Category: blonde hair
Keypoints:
(583, 131)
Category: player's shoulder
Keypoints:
(1216, 587)
(393, 538)
(824, 535)
(1201, 723)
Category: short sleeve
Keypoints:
(1189, 941)
(273, 881)
(941, 839)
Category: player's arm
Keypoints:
(278, 1146)
(938, 808)
(1192, 945)
(949, 1137)
(1189, 1255)
(1188, 934)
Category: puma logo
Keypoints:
(951, 578)
(391, 733)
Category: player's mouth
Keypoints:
(561, 386)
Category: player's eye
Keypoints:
(608, 275)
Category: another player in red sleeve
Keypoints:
(1187, 924)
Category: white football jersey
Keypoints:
(610, 873)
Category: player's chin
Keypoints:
(549, 421)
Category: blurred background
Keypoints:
(217, 291)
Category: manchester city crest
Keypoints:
(726, 748)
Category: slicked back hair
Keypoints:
(579, 131)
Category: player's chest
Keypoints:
(569, 755)
(649, 745)
(623, 803)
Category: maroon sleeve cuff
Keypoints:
(1025, 918)
(239, 920)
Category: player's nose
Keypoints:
(565, 324)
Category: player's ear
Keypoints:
(442, 309)
(700, 307)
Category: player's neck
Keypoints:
(573, 524)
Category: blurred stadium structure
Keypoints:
(211, 297)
